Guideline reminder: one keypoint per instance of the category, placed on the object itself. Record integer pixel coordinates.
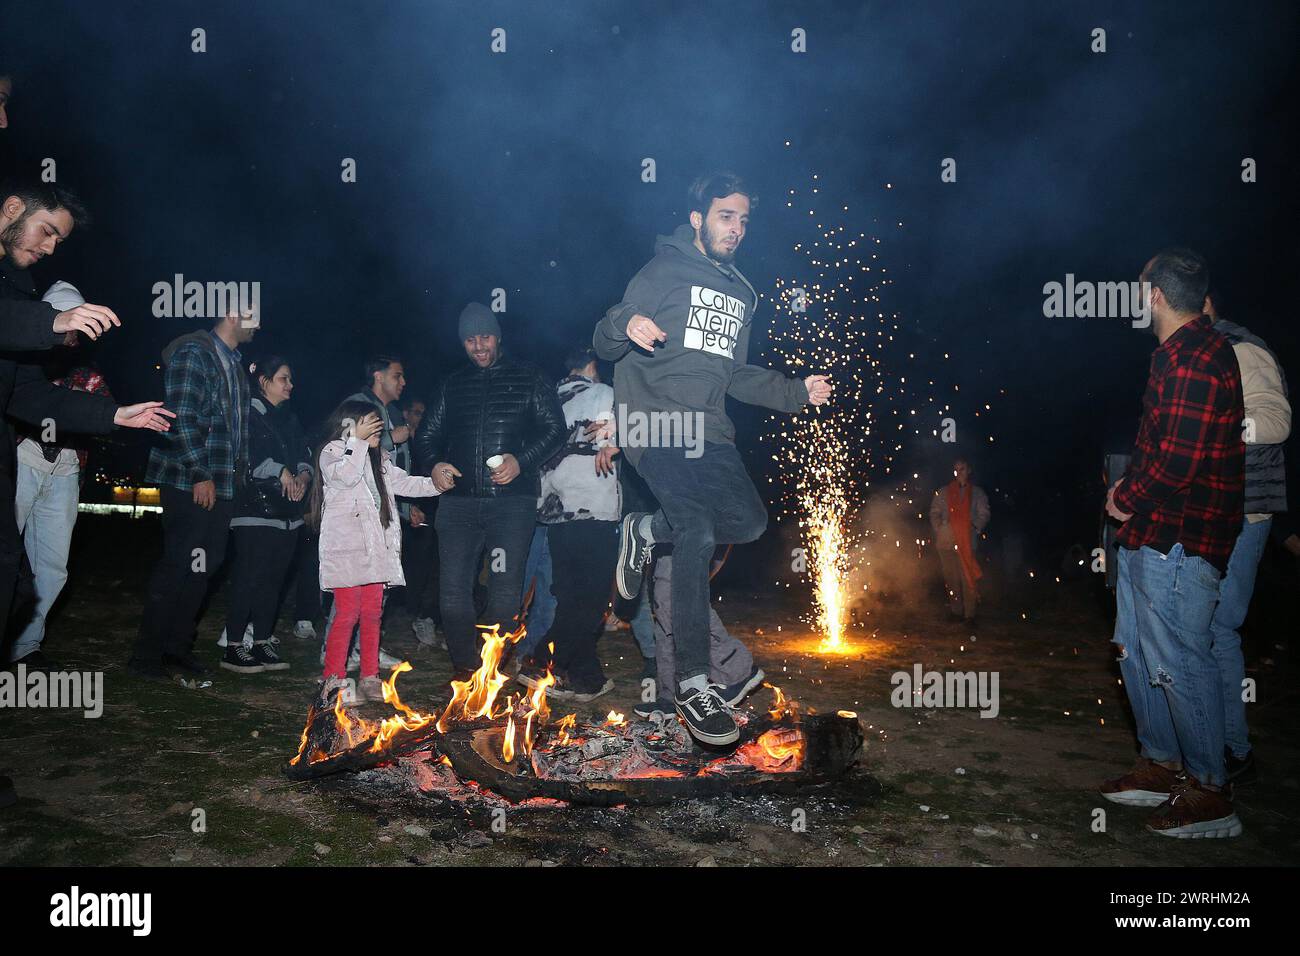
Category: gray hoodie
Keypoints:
(706, 309)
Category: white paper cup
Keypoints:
(495, 462)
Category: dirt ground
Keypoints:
(935, 786)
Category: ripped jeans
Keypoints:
(1164, 607)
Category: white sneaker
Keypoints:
(386, 660)
(426, 632)
(345, 687)
(304, 630)
(248, 637)
(371, 689)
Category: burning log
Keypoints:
(604, 770)
(505, 747)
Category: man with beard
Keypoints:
(483, 440)
(680, 341)
(34, 219)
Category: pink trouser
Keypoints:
(364, 603)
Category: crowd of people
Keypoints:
(509, 498)
(499, 502)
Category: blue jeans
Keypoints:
(1162, 625)
(46, 510)
(704, 502)
(1234, 601)
(541, 613)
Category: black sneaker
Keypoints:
(240, 659)
(663, 705)
(185, 662)
(1240, 770)
(633, 553)
(733, 694)
(264, 653)
(706, 717)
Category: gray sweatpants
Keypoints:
(729, 660)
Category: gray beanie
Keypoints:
(63, 296)
(478, 319)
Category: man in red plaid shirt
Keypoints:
(1180, 504)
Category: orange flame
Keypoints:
(781, 706)
(563, 727)
(538, 710)
(508, 746)
(474, 698)
(614, 719)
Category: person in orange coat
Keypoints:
(959, 513)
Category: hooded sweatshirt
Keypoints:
(706, 308)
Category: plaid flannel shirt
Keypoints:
(200, 445)
(1186, 481)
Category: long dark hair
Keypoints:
(355, 410)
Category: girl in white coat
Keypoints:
(360, 536)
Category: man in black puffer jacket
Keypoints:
(499, 411)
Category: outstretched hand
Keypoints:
(149, 415)
(90, 320)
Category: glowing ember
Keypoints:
(614, 719)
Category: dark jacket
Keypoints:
(706, 309)
(275, 442)
(201, 443)
(27, 325)
(480, 412)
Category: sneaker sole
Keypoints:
(718, 740)
(282, 666)
(236, 668)
(751, 685)
(1205, 830)
(627, 592)
(1137, 798)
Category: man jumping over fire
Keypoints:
(680, 341)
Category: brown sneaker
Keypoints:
(1147, 785)
(1194, 813)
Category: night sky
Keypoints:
(523, 170)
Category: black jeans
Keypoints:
(583, 555)
(194, 546)
(307, 586)
(467, 529)
(261, 559)
(703, 502)
(420, 568)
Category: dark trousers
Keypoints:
(420, 568)
(307, 585)
(704, 502)
(194, 546)
(260, 561)
(467, 529)
(11, 547)
(583, 555)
